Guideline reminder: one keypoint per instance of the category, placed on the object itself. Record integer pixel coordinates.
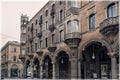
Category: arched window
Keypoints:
(111, 12)
(75, 3)
(69, 4)
(53, 20)
(75, 25)
(40, 22)
(69, 26)
(46, 24)
(92, 21)
(61, 15)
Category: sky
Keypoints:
(11, 11)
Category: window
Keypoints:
(14, 49)
(60, 2)
(69, 26)
(36, 32)
(35, 46)
(23, 39)
(52, 38)
(40, 20)
(75, 25)
(23, 52)
(46, 24)
(69, 4)
(90, 0)
(36, 21)
(61, 35)
(14, 58)
(75, 3)
(46, 13)
(111, 12)
(53, 20)
(28, 49)
(61, 15)
(40, 44)
(46, 39)
(92, 21)
(31, 48)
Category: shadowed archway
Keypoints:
(95, 62)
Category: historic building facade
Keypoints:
(71, 39)
(11, 65)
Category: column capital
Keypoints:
(72, 59)
(53, 62)
(112, 54)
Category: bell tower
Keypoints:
(23, 26)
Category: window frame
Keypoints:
(91, 21)
(111, 10)
(69, 26)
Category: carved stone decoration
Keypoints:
(40, 34)
(73, 39)
(52, 47)
(39, 52)
(109, 28)
(30, 55)
(52, 27)
(72, 10)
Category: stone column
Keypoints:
(79, 69)
(74, 68)
(41, 71)
(53, 72)
(32, 69)
(113, 65)
(74, 62)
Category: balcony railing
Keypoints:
(40, 34)
(23, 25)
(72, 39)
(52, 47)
(72, 10)
(31, 39)
(52, 12)
(52, 27)
(39, 51)
(109, 25)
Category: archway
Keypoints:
(95, 62)
(14, 71)
(36, 69)
(27, 69)
(62, 65)
(47, 67)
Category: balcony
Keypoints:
(23, 25)
(109, 26)
(40, 34)
(73, 39)
(23, 42)
(31, 39)
(72, 10)
(39, 52)
(51, 27)
(52, 47)
(52, 12)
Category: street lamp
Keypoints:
(93, 55)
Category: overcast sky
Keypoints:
(11, 11)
